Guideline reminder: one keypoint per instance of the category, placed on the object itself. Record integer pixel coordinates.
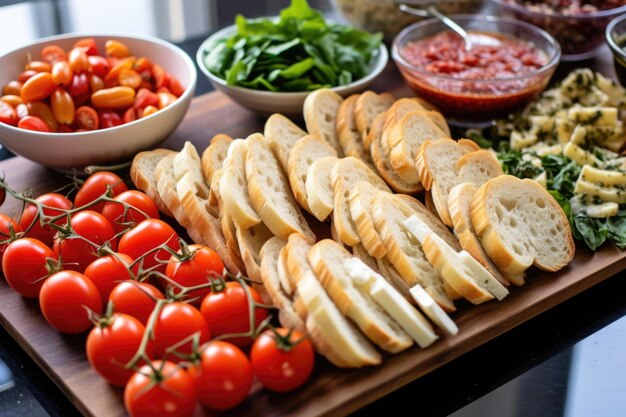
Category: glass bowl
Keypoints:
(472, 102)
(579, 34)
(616, 38)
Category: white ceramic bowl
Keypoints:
(287, 103)
(74, 151)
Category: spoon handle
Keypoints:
(452, 25)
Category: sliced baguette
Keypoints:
(349, 137)
(296, 257)
(361, 197)
(319, 191)
(142, 175)
(229, 230)
(251, 240)
(287, 314)
(287, 283)
(404, 251)
(320, 115)
(328, 260)
(391, 274)
(215, 199)
(270, 193)
(366, 108)
(282, 134)
(478, 167)
(345, 175)
(440, 121)
(459, 269)
(187, 161)
(214, 155)
(233, 187)
(398, 110)
(520, 224)
(308, 150)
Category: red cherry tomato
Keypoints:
(168, 392)
(112, 343)
(63, 299)
(99, 65)
(107, 272)
(8, 114)
(176, 87)
(145, 98)
(33, 123)
(79, 86)
(96, 186)
(223, 375)
(88, 45)
(228, 312)
(86, 118)
(137, 202)
(135, 298)
(76, 253)
(202, 264)
(109, 118)
(5, 223)
(44, 112)
(24, 266)
(177, 322)
(130, 115)
(56, 204)
(281, 369)
(147, 236)
(53, 53)
(160, 76)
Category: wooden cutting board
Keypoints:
(331, 391)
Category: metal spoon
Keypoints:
(432, 11)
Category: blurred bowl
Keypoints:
(616, 38)
(287, 103)
(473, 101)
(67, 152)
(580, 35)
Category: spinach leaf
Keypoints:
(590, 230)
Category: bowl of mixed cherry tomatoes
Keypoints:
(70, 101)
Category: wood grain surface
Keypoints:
(330, 391)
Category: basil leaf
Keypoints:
(282, 47)
(591, 231)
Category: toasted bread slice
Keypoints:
(328, 260)
(459, 269)
(366, 108)
(251, 241)
(405, 137)
(187, 161)
(478, 167)
(459, 201)
(440, 121)
(360, 199)
(233, 187)
(436, 165)
(346, 174)
(359, 251)
(296, 257)
(287, 314)
(520, 224)
(282, 134)
(286, 282)
(404, 251)
(320, 115)
(308, 150)
(214, 155)
(319, 191)
(399, 109)
(350, 139)
(142, 175)
(270, 193)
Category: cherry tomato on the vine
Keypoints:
(135, 298)
(107, 272)
(202, 264)
(176, 322)
(96, 186)
(142, 241)
(5, 223)
(55, 205)
(125, 218)
(24, 265)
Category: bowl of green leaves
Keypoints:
(269, 65)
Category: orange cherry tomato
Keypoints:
(86, 118)
(165, 99)
(12, 88)
(116, 49)
(176, 87)
(129, 78)
(99, 65)
(62, 73)
(33, 123)
(12, 100)
(52, 54)
(8, 115)
(113, 98)
(62, 106)
(78, 60)
(95, 83)
(111, 79)
(148, 110)
(88, 45)
(130, 115)
(37, 88)
(44, 112)
(26, 75)
(39, 66)
(142, 64)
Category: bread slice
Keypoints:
(345, 175)
(366, 108)
(332, 334)
(361, 197)
(405, 137)
(459, 201)
(390, 300)
(296, 257)
(359, 251)
(433, 311)
(214, 155)
(404, 251)
(380, 155)
(350, 139)
(391, 274)
(215, 199)
(282, 134)
(166, 186)
(320, 115)
(251, 241)
(319, 191)
(233, 187)
(437, 118)
(229, 231)
(478, 167)
(142, 175)
(187, 161)
(287, 314)
(286, 282)
(398, 110)
(270, 193)
(436, 165)
(520, 224)
(328, 260)
(308, 150)
(428, 202)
